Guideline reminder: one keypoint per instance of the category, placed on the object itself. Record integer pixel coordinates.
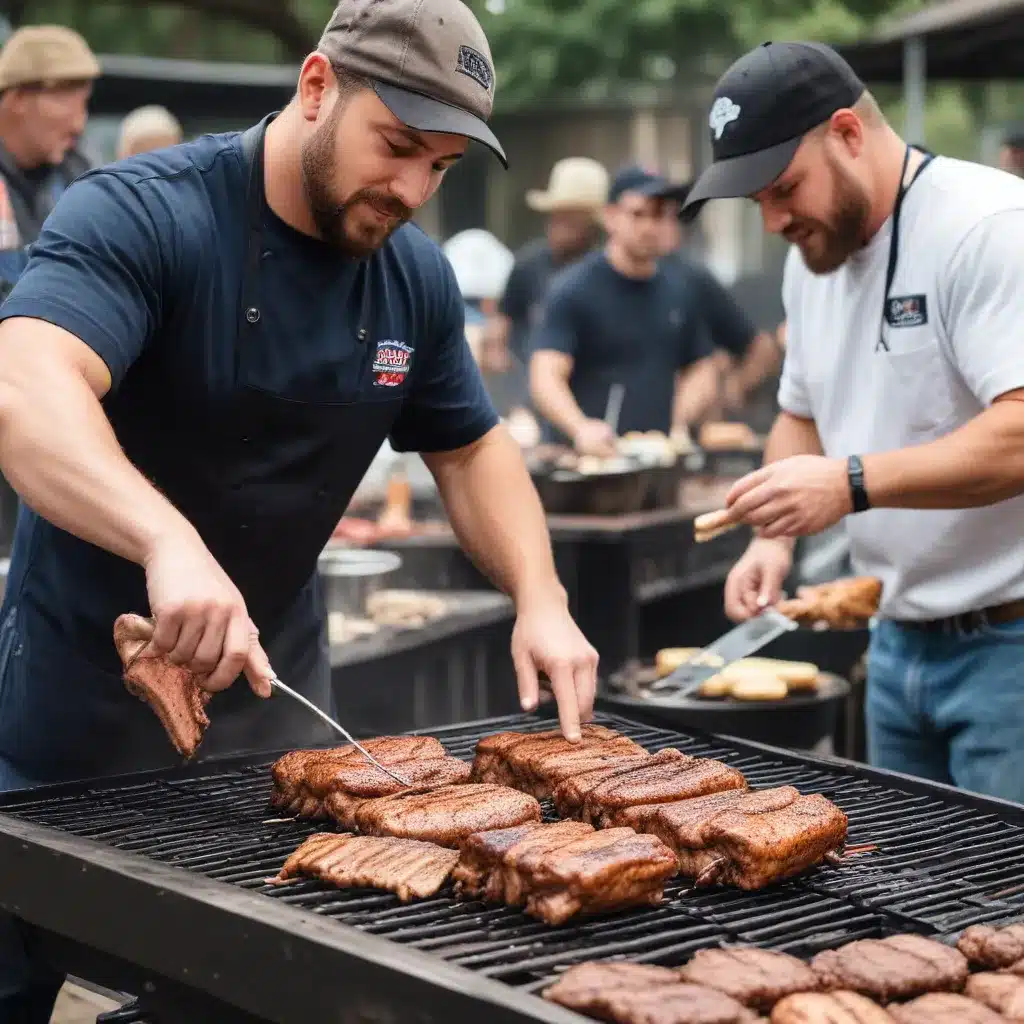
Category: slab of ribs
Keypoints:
(172, 691)
(404, 866)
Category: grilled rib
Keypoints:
(571, 794)
(992, 948)
(404, 866)
(899, 967)
(445, 814)
(758, 978)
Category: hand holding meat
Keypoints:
(793, 497)
(547, 640)
(755, 581)
(594, 437)
(201, 619)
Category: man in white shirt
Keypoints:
(902, 400)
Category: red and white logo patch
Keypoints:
(391, 363)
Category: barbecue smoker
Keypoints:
(156, 884)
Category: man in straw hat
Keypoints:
(46, 76)
(208, 348)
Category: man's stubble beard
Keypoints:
(319, 164)
(845, 233)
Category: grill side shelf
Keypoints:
(263, 956)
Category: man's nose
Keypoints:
(413, 185)
(775, 219)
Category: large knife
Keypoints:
(746, 639)
(276, 684)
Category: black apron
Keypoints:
(265, 480)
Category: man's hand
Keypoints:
(201, 618)
(547, 640)
(793, 497)
(755, 581)
(594, 437)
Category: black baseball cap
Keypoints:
(644, 183)
(764, 106)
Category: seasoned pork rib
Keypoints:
(830, 1008)
(992, 948)
(404, 866)
(640, 994)
(445, 814)
(758, 978)
(1003, 993)
(172, 691)
(536, 762)
(944, 1008)
(291, 792)
(570, 794)
(899, 967)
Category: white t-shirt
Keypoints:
(958, 345)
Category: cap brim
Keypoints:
(742, 176)
(430, 115)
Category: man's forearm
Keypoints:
(697, 390)
(982, 463)
(761, 359)
(60, 454)
(497, 516)
(555, 402)
(791, 435)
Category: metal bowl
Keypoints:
(351, 575)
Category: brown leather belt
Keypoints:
(970, 622)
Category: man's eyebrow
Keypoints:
(415, 138)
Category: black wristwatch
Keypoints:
(858, 492)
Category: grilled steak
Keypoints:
(446, 814)
(658, 782)
(1003, 993)
(899, 967)
(992, 948)
(172, 691)
(536, 762)
(343, 787)
(758, 978)
(641, 994)
(833, 1008)
(291, 793)
(489, 861)
(598, 873)
(403, 866)
(944, 1008)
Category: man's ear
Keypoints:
(316, 81)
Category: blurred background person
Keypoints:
(46, 78)
(619, 316)
(148, 128)
(576, 193)
(1011, 153)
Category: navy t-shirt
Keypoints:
(637, 332)
(143, 260)
(524, 293)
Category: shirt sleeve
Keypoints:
(982, 305)
(729, 328)
(794, 396)
(558, 330)
(447, 406)
(96, 271)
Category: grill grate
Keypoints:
(939, 867)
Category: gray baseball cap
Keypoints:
(428, 61)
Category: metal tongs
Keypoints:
(276, 684)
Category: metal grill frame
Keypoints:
(140, 925)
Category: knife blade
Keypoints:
(745, 639)
(276, 684)
(616, 393)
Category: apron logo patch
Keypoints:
(391, 363)
(907, 311)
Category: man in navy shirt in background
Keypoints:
(618, 316)
(206, 350)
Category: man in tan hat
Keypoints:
(148, 128)
(576, 193)
(46, 76)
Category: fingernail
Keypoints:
(762, 601)
(529, 704)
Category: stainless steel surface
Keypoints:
(327, 720)
(616, 393)
(351, 575)
(746, 639)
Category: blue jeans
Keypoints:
(949, 706)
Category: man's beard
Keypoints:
(329, 213)
(843, 234)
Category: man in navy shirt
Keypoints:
(206, 350)
(618, 316)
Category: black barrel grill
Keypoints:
(93, 869)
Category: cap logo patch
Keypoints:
(471, 62)
(723, 111)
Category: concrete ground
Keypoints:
(79, 1006)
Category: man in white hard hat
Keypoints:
(576, 193)
(46, 76)
(146, 129)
